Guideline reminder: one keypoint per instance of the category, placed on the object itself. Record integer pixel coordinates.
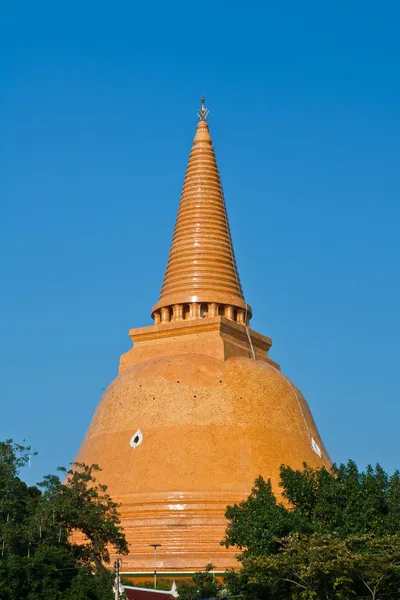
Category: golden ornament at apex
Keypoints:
(198, 409)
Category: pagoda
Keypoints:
(199, 409)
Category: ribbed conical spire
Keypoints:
(201, 266)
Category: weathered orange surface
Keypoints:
(208, 408)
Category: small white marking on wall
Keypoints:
(315, 447)
(176, 506)
(136, 439)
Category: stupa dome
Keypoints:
(180, 437)
(199, 409)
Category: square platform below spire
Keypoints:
(218, 337)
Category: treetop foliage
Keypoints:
(38, 556)
(344, 500)
(331, 534)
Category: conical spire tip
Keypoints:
(203, 112)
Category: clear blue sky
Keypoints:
(98, 107)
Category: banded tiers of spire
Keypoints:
(201, 278)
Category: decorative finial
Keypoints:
(203, 112)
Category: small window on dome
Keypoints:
(316, 448)
(136, 439)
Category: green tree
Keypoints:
(326, 566)
(202, 585)
(163, 584)
(38, 557)
(256, 524)
(334, 534)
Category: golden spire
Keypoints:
(201, 266)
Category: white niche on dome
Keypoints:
(136, 439)
(315, 447)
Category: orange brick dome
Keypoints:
(180, 437)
